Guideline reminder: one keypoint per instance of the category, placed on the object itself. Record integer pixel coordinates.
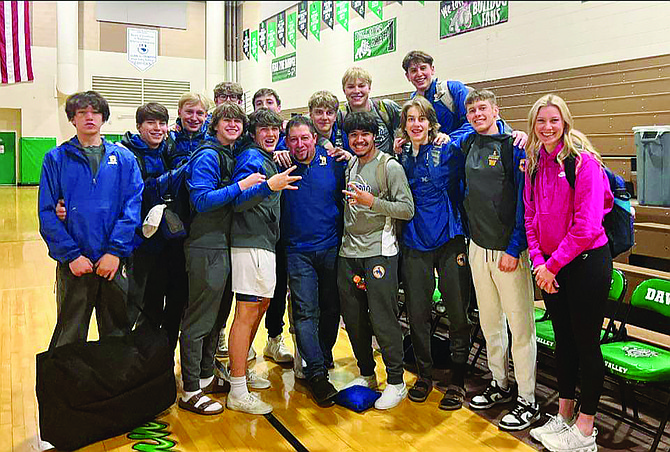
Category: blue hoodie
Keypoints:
(103, 210)
(311, 217)
(435, 177)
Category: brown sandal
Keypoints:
(217, 388)
(190, 405)
(453, 399)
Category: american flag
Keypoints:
(15, 59)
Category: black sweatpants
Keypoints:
(372, 311)
(450, 261)
(274, 316)
(576, 313)
(76, 296)
(158, 283)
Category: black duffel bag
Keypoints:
(90, 391)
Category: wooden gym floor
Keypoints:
(27, 318)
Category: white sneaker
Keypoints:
(222, 346)
(570, 440)
(392, 396)
(252, 354)
(276, 350)
(256, 382)
(250, 403)
(554, 425)
(368, 382)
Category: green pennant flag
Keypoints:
(291, 28)
(422, 2)
(254, 44)
(272, 37)
(315, 19)
(342, 14)
(377, 8)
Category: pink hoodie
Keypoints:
(561, 222)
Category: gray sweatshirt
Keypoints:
(370, 232)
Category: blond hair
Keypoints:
(426, 108)
(574, 142)
(483, 95)
(194, 98)
(354, 73)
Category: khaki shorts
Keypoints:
(253, 272)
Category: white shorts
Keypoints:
(253, 272)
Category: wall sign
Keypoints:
(461, 17)
(142, 47)
(376, 40)
(283, 67)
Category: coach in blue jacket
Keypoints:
(101, 186)
(311, 224)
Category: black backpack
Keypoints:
(618, 223)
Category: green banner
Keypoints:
(291, 28)
(461, 17)
(272, 37)
(32, 154)
(254, 45)
(283, 67)
(376, 40)
(342, 14)
(315, 19)
(377, 8)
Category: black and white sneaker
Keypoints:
(492, 395)
(522, 416)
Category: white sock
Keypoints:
(188, 394)
(206, 381)
(238, 387)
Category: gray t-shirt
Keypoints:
(94, 155)
(370, 232)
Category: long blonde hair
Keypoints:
(574, 142)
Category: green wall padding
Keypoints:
(33, 150)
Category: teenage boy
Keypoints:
(434, 243)
(190, 129)
(160, 290)
(101, 186)
(254, 235)
(211, 193)
(228, 92)
(356, 84)
(446, 96)
(311, 221)
(323, 107)
(275, 348)
(378, 195)
(499, 259)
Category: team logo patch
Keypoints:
(493, 158)
(322, 160)
(639, 352)
(522, 165)
(112, 160)
(460, 260)
(378, 272)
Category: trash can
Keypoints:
(653, 165)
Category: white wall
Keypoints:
(539, 37)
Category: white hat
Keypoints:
(153, 220)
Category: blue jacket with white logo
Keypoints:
(435, 177)
(311, 217)
(103, 210)
(448, 100)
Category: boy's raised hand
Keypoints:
(251, 180)
(520, 138)
(284, 180)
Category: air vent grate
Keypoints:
(133, 92)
